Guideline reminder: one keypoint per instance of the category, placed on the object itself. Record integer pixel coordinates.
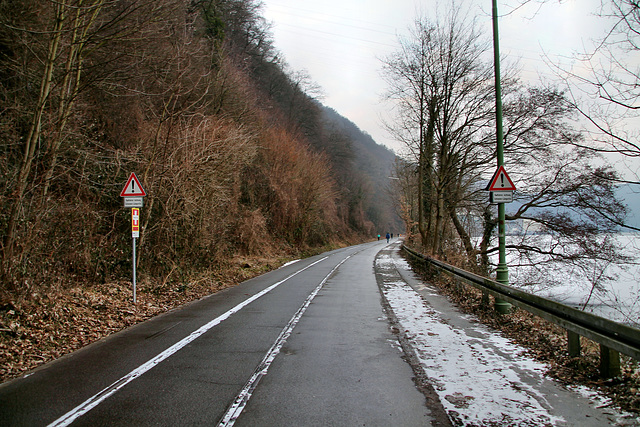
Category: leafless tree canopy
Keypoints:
(444, 96)
(605, 91)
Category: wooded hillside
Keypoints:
(234, 155)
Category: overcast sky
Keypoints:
(339, 43)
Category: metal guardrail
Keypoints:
(612, 335)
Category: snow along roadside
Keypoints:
(476, 383)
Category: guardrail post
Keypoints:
(609, 362)
(573, 341)
(485, 299)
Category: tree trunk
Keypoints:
(31, 142)
(426, 184)
(71, 83)
(439, 224)
(489, 224)
(464, 236)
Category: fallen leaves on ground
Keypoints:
(43, 326)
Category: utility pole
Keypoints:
(502, 273)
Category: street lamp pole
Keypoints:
(502, 273)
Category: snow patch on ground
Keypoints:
(475, 383)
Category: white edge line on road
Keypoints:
(241, 400)
(98, 398)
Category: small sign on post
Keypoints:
(133, 202)
(133, 187)
(500, 187)
(135, 223)
(500, 197)
(501, 181)
(133, 195)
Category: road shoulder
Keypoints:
(481, 377)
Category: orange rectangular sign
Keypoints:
(135, 222)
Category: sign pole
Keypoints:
(134, 270)
(135, 233)
(502, 273)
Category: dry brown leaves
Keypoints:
(44, 326)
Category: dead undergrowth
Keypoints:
(43, 326)
(547, 343)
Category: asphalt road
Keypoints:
(308, 344)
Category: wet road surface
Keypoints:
(350, 337)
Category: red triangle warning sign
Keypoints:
(501, 181)
(133, 187)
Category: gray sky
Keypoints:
(339, 43)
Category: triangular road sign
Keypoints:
(501, 181)
(133, 187)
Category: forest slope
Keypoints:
(238, 161)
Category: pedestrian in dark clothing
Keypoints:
(388, 237)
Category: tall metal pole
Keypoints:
(502, 273)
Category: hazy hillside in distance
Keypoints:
(631, 196)
(376, 162)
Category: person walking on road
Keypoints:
(388, 236)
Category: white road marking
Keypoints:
(241, 400)
(98, 398)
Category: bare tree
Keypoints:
(66, 39)
(449, 87)
(605, 88)
(442, 89)
(77, 51)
